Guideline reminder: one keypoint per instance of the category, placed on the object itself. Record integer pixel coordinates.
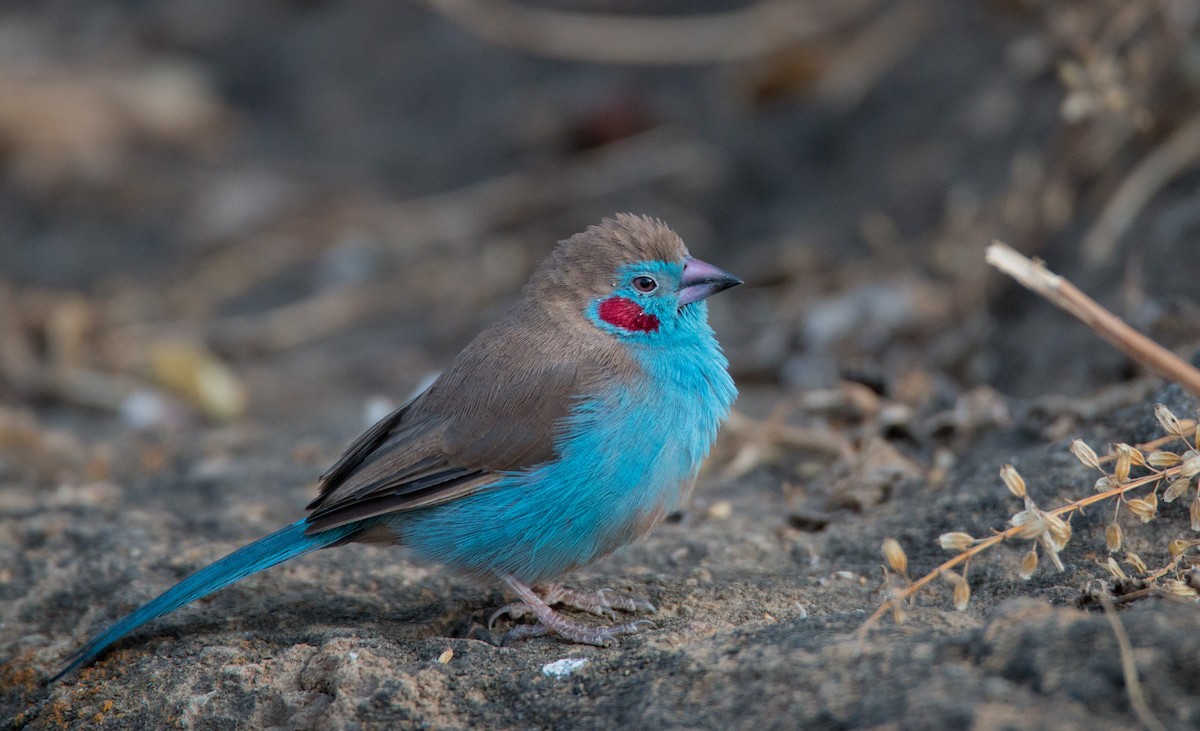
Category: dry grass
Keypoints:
(1049, 531)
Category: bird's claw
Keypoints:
(603, 603)
(583, 634)
(514, 610)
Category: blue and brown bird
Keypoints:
(563, 432)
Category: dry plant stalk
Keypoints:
(1034, 275)
(1133, 684)
(1178, 153)
(1049, 530)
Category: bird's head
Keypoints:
(633, 278)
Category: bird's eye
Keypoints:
(645, 285)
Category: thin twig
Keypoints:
(1133, 686)
(1035, 276)
(736, 35)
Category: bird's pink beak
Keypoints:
(701, 279)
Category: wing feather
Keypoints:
(496, 409)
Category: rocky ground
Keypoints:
(234, 234)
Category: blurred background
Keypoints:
(217, 212)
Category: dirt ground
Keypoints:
(233, 234)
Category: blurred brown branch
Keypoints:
(736, 35)
(866, 56)
(1176, 154)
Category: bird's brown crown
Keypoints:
(584, 265)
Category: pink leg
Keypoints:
(601, 602)
(551, 622)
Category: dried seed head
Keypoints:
(1142, 508)
(1105, 483)
(1178, 546)
(1115, 569)
(1053, 554)
(953, 578)
(962, 595)
(1167, 420)
(1174, 490)
(1190, 468)
(1058, 531)
(957, 542)
(1135, 561)
(1085, 454)
(1030, 522)
(1013, 480)
(1028, 563)
(1121, 469)
(1112, 537)
(894, 555)
(1194, 513)
(1161, 460)
(1135, 455)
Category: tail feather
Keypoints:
(262, 554)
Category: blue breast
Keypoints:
(627, 458)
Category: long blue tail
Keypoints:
(262, 554)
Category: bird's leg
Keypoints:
(600, 602)
(551, 622)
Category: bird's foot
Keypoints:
(601, 603)
(578, 632)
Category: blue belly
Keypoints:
(626, 460)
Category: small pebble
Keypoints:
(563, 668)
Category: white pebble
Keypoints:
(563, 668)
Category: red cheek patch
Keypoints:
(627, 315)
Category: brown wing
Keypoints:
(496, 409)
